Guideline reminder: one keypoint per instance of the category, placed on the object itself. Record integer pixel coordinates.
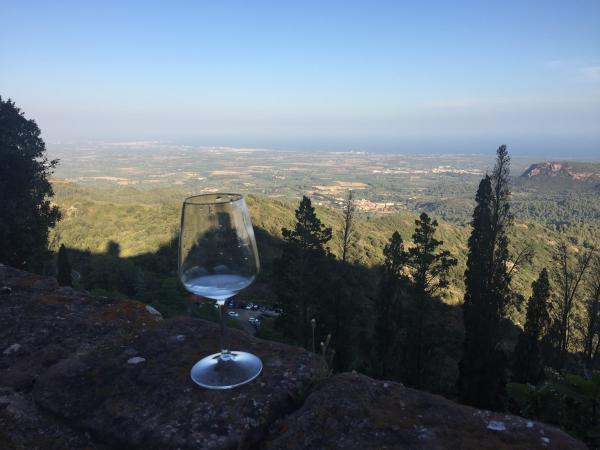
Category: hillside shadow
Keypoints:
(152, 278)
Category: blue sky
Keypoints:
(309, 75)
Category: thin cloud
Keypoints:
(576, 69)
(590, 73)
(559, 63)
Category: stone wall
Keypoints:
(78, 371)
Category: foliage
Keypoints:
(592, 331)
(568, 401)
(487, 291)
(528, 358)
(309, 234)
(388, 329)
(142, 221)
(429, 269)
(407, 329)
(568, 274)
(26, 212)
(348, 296)
(348, 234)
(299, 283)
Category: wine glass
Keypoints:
(217, 259)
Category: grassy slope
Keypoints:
(140, 221)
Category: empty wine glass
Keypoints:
(217, 259)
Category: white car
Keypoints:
(232, 314)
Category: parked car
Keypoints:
(232, 314)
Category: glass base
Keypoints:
(228, 371)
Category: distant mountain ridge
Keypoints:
(565, 169)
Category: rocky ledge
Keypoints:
(83, 372)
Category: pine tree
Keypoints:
(64, 267)
(388, 308)
(394, 257)
(528, 361)
(309, 234)
(429, 269)
(487, 291)
(299, 272)
(429, 272)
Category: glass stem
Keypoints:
(225, 355)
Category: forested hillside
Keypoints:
(141, 221)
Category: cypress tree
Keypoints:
(487, 291)
(528, 361)
(64, 267)
(348, 235)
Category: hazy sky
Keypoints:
(325, 75)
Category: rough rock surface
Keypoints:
(84, 372)
(355, 411)
(89, 371)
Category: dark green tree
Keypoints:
(395, 257)
(343, 315)
(569, 275)
(26, 213)
(482, 374)
(63, 267)
(299, 273)
(348, 235)
(309, 234)
(388, 330)
(340, 316)
(528, 364)
(592, 331)
(428, 268)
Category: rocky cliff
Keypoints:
(83, 372)
(575, 171)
